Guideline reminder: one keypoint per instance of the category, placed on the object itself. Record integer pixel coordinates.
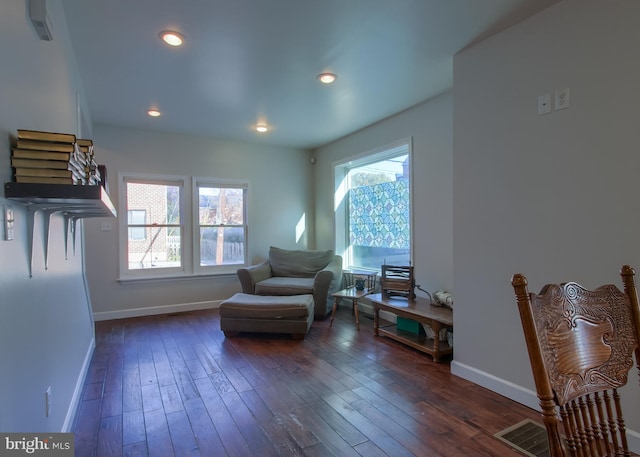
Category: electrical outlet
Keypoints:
(47, 402)
(544, 104)
(562, 99)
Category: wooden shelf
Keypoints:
(90, 201)
(419, 310)
(419, 342)
(73, 202)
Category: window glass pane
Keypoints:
(221, 206)
(159, 249)
(221, 245)
(161, 202)
(136, 217)
(378, 213)
(153, 218)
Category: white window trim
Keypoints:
(340, 169)
(188, 227)
(195, 233)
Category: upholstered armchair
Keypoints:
(296, 272)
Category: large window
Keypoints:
(165, 235)
(222, 231)
(373, 208)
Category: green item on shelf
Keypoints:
(409, 325)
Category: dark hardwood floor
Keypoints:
(172, 385)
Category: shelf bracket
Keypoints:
(32, 209)
(48, 210)
(75, 202)
(31, 214)
(68, 218)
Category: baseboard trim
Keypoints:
(500, 386)
(154, 310)
(517, 393)
(633, 438)
(69, 420)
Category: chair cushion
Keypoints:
(267, 307)
(298, 263)
(280, 285)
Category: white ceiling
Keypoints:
(246, 61)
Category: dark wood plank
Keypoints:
(131, 393)
(230, 436)
(110, 437)
(184, 442)
(207, 438)
(157, 431)
(133, 430)
(173, 385)
(258, 442)
(277, 432)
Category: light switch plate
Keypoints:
(8, 223)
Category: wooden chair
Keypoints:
(581, 346)
(370, 279)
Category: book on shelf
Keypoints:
(38, 154)
(46, 136)
(45, 145)
(84, 142)
(44, 172)
(56, 158)
(86, 146)
(46, 180)
(39, 163)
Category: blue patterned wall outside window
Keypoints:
(379, 215)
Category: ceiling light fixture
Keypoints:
(153, 113)
(172, 38)
(261, 128)
(327, 78)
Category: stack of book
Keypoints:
(86, 157)
(54, 158)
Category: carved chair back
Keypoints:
(581, 345)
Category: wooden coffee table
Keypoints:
(419, 310)
(350, 293)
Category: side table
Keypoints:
(350, 293)
(420, 310)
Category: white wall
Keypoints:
(430, 127)
(279, 197)
(46, 332)
(554, 197)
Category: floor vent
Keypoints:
(528, 437)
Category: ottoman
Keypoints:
(267, 314)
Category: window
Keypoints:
(166, 236)
(222, 231)
(373, 208)
(136, 218)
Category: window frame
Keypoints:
(341, 169)
(198, 182)
(189, 223)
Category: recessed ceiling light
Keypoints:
(261, 128)
(327, 78)
(153, 113)
(172, 38)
